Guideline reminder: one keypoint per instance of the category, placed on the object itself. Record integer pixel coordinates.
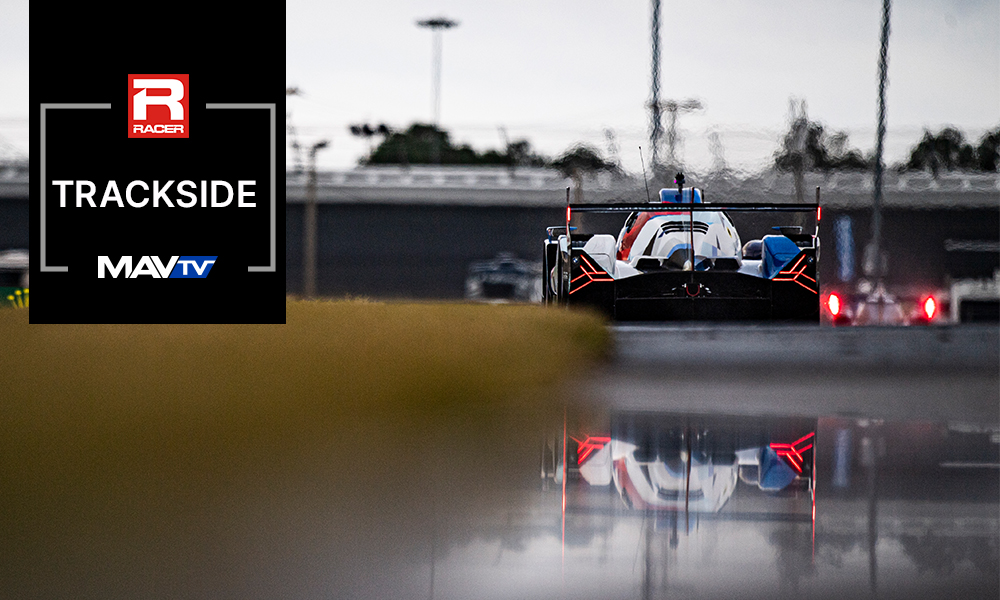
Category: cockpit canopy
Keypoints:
(671, 196)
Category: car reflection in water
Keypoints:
(694, 464)
(752, 507)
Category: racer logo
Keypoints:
(157, 106)
(178, 267)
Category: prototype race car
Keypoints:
(879, 307)
(502, 279)
(682, 259)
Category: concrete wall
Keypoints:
(421, 251)
(409, 251)
(412, 232)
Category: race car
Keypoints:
(681, 258)
(504, 279)
(877, 306)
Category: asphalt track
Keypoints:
(944, 372)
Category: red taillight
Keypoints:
(819, 213)
(588, 446)
(569, 213)
(793, 454)
(930, 307)
(833, 303)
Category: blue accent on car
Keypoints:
(776, 252)
(702, 264)
(671, 196)
(774, 473)
(555, 231)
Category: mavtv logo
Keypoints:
(158, 106)
(178, 267)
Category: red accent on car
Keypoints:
(631, 234)
(792, 453)
(594, 274)
(796, 274)
(588, 446)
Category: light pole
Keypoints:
(874, 264)
(436, 25)
(290, 129)
(309, 226)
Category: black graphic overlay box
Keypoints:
(155, 190)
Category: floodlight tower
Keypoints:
(436, 25)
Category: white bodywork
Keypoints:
(666, 239)
(655, 485)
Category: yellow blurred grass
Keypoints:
(121, 438)
(332, 363)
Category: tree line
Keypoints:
(948, 151)
(808, 146)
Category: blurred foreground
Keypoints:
(368, 451)
(289, 461)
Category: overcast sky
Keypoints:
(557, 72)
(562, 71)
(13, 78)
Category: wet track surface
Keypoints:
(700, 461)
(891, 435)
(946, 373)
(740, 462)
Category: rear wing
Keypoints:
(685, 207)
(692, 208)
